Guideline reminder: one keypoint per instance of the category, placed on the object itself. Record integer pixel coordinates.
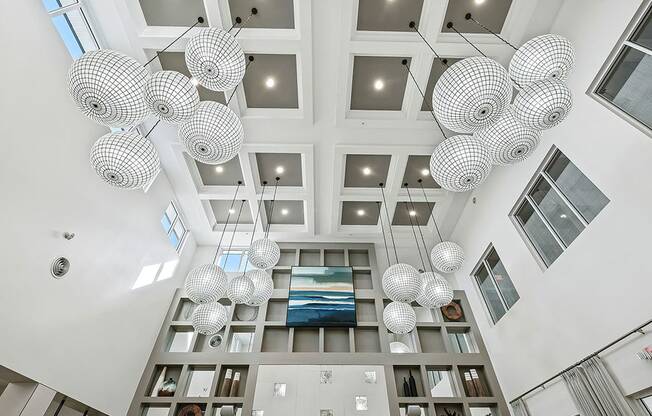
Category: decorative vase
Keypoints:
(413, 385)
(168, 388)
(406, 388)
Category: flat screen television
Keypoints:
(321, 296)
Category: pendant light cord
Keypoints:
(260, 202)
(237, 220)
(389, 222)
(423, 240)
(414, 233)
(269, 217)
(404, 62)
(450, 26)
(413, 25)
(250, 60)
(382, 229)
(219, 244)
(199, 20)
(469, 17)
(431, 209)
(153, 127)
(238, 21)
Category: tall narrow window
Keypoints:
(557, 207)
(174, 227)
(69, 18)
(623, 83)
(496, 286)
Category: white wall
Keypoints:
(89, 335)
(600, 287)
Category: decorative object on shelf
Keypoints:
(235, 385)
(240, 289)
(215, 59)
(215, 341)
(213, 135)
(263, 287)
(190, 410)
(361, 403)
(453, 312)
(370, 377)
(168, 388)
(645, 354)
(450, 412)
(413, 410)
(473, 385)
(508, 140)
(399, 317)
(406, 388)
(125, 160)
(326, 377)
(398, 347)
(460, 163)
(159, 382)
(413, 385)
(171, 96)
(108, 88)
(206, 283)
(543, 104)
(447, 257)
(209, 318)
(265, 253)
(279, 389)
(227, 410)
(226, 383)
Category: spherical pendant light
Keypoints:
(447, 257)
(206, 283)
(438, 292)
(423, 299)
(264, 253)
(240, 289)
(209, 318)
(213, 135)
(125, 159)
(215, 59)
(263, 287)
(171, 96)
(460, 163)
(108, 88)
(509, 141)
(399, 318)
(471, 94)
(401, 282)
(544, 57)
(543, 104)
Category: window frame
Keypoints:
(79, 5)
(483, 262)
(177, 219)
(541, 172)
(612, 60)
(645, 406)
(243, 253)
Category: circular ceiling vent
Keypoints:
(60, 266)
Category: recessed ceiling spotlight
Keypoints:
(194, 81)
(270, 82)
(425, 172)
(219, 169)
(231, 211)
(379, 84)
(280, 169)
(479, 2)
(360, 212)
(366, 171)
(413, 213)
(563, 216)
(285, 211)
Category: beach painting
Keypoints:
(321, 296)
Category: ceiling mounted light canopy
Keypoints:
(215, 59)
(108, 88)
(399, 318)
(543, 57)
(509, 141)
(171, 96)
(209, 318)
(125, 159)
(213, 135)
(543, 104)
(447, 257)
(460, 163)
(263, 287)
(206, 284)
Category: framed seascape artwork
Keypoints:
(321, 296)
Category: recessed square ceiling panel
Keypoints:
(388, 15)
(491, 13)
(418, 167)
(417, 212)
(378, 83)
(221, 211)
(286, 166)
(436, 70)
(271, 82)
(360, 212)
(226, 174)
(366, 171)
(272, 14)
(285, 212)
(175, 61)
(173, 12)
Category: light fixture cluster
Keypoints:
(117, 91)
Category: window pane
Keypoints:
(490, 294)
(579, 190)
(535, 229)
(174, 239)
(647, 402)
(171, 212)
(179, 229)
(558, 214)
(230, 261)
(51, 5)
(628, 86)
(503, 281)
(166, 223)
(643, 36)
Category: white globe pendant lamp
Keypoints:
(240, 289)
(543, 104)
(263, 287)
(399, 318)
(215, 59)
(447, 257)
(265, 253)
(460, 163)
(209, 318)
(171, 96)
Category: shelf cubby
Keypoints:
(288, 258)
(431, 340)
(188, 402)
(203, 342)
(366, 339)
(449, 409)
(239, 393)
(281, 279)
(403, 372)
(309, 257)
(217, 407)
(305, 340)
(276, 310)
(336, 340)
(171, 372)
(199, 381)
(184, 310)
(179, 338)
(362, 279)
(275, 339)
(359, 258)
(155, 409)
(334, 258)
(474, 381)
(365, 310)
(403, 407)
(449, 310)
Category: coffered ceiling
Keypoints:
(328, 99)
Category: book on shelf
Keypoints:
(226, 384)
(477, 383)
(235, 385)
(470, 387)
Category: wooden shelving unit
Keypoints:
(367, 344)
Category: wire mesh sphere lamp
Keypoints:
(125, 160)
(509, 141)
(213, 135)
(264, 253)
(460, 163)
(439, 293)
(471, 94)
(263, 287)
(544, 57)
(209, 318)
(171, 96)
(401, 282)
(543, 104)
(206, 283)
(447, 257)
(399, 318)
(215, 59)
(240, 289)
(108, 87)
(423, 299)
